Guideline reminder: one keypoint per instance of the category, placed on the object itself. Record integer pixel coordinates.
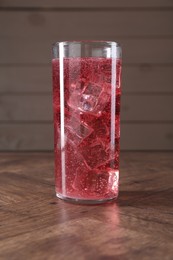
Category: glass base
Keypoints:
(85, 201)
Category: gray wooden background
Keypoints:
(143, 28)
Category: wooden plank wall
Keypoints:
(143, 28)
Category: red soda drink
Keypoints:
(86, 128)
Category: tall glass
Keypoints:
(86, 102)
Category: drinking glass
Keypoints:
(86, 104)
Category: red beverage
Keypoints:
(87, 129)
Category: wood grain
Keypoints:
(38, 107)
(142, 78)
(36, 225)
(29, 136)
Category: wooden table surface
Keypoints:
(34, 224)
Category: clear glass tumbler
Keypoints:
(86, 102)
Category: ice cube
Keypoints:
(77, 86)
(74, 100)
(92, 89)
(92, 99)
(73, 161)
(112, 164)
(94, 154)
(75, 91)
(90, 182)
(87, 103)
(76, 130)
(89, 97)
(102, 102)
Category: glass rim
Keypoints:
(87, 41)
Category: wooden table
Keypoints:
(34, 224)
